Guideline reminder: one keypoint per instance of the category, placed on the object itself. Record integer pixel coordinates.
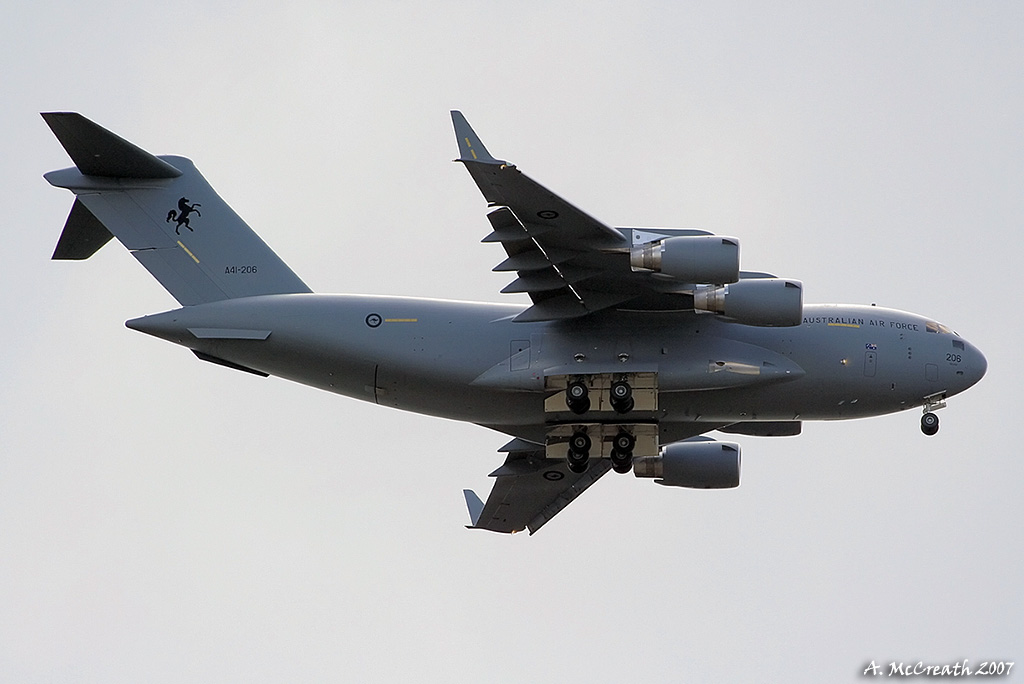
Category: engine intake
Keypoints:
(691, 258)
(769, 302)
(697, 465)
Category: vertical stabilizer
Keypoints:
(165, 213)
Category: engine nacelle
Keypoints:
(697, 465)
(691, 258)
(770, 302)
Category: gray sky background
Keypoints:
(165, 520)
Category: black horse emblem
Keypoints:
(180, 216)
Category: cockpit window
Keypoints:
(933, 327)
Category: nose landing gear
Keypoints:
(930, 421)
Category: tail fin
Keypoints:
(165, 213)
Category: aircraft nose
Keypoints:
(975, 366)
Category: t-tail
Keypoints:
(165, 213)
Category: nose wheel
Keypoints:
(930, 421)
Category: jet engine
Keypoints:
(697, 465)
(691, 258)
(769, 302)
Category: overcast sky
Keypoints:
(166, 520)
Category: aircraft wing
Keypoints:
(529, 489)
(568, 262)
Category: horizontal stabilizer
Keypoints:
(98, 152)
(83, 235)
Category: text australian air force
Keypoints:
(854, 322)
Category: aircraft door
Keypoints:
(870, 363)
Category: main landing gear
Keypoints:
(609, 415)
(577, 397)
(621, 456)
(621, 396)
(579, 451)
(622, 452)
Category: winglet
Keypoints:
(470, 147)
(475, 506)
(98, 152)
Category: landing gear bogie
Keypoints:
(606, 396)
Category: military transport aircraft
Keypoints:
(638, 340)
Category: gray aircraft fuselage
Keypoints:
(468, 361)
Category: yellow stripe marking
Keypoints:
(401, 320)
(182, 245)
(844, 325)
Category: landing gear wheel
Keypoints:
(580, 442)
(621, 396)
(579, 451)
(622, 461)
(622, 452)
(577, 397)
(624, 442)
(578, 461)
(929, 423)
